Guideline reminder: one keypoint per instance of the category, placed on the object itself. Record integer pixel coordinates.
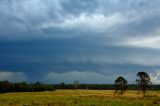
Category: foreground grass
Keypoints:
(80, 98)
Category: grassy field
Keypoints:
(80, 98)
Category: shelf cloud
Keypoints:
(45, 38)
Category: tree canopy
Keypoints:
(143, 81)
(120, 85)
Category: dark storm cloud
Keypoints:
(44, 16)
(41, 39)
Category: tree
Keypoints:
(120, 85)
(143, 81)
(76, 82)
(5, 86)
(62, 85)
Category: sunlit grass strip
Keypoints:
(80, 98)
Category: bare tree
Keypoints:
(143, 81)
(120, 85)
(76, 82)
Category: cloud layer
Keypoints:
(12, 76)
(45, 38)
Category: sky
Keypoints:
(93, 41)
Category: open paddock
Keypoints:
(80, 98)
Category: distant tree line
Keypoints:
(6, 86)
(101, 86)
(120, 86)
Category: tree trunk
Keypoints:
(144, 90)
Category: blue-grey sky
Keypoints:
(93, 41)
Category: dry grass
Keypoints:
(80, 98)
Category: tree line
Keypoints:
(143, 84)
(6, 86)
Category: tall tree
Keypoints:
(143, 81)
(62, 85)
(120, 85)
